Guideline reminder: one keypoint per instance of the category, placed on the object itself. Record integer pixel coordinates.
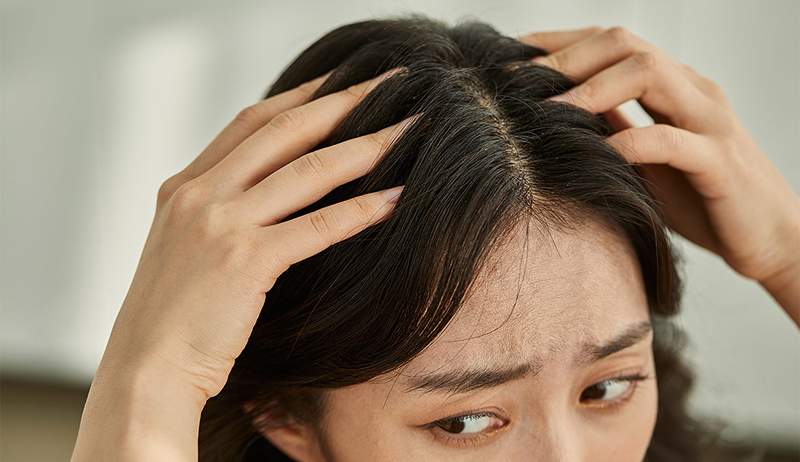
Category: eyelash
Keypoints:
(633, 381)
(450, 438)
(462, 441)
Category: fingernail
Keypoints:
(393, 194)
(390, 73)
(400, 127)
(375, 81)
(405, 123)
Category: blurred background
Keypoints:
(103, 100)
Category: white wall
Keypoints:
(101, 101)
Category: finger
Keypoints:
(588, 56)
(310, 177)
(617, 119)
(655, 82)
(555, 40)
(312, 233)
(680, 203)
(591, 54)
(706, 85)
(665, 144)
(248, 121)
(287, 136)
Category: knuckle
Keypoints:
(628, 145)
(558, 60)
(704, 83)
(189, 196)
(208, 224)
(249, 115)
(311, 164)
(323, 224)
(586, 91)
(376, 141)
(168, 188)
(620, 35)
(629, 140)
(668, 137)
(596, 29)
(646, 60)
(289, 119)
(363, 209)
(542, 60)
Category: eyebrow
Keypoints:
(465, 380)
(634, 334)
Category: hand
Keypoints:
(217, 244)
(715, 186)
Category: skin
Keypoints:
(218, 238)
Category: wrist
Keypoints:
(784, 287)
(139, 411)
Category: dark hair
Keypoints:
(487, 151)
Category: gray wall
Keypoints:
(101, 101)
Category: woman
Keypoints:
(511, 304)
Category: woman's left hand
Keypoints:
(714, 184)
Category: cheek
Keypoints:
(652, 413)
(627, 438)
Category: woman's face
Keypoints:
(550, 358)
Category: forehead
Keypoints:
(542, 293)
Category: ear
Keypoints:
(296, 440)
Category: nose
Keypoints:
(556, 440)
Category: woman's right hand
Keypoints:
(217, 244)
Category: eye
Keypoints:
(470, 423)
(610, 391)
(468, 429)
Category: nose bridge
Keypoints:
(557, 438)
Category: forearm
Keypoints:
(136, 413)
